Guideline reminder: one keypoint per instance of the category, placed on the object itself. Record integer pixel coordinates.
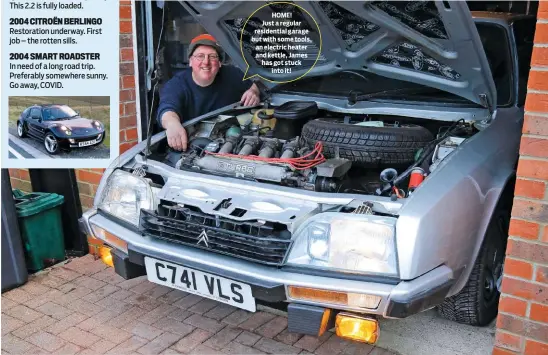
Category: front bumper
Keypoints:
(398, 299)
(65, 141)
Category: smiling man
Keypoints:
(204, 87)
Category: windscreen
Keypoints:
(58, 112)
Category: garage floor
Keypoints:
(427, 333)
(82, 307)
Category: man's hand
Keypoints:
(175, 132)
(176, 136)
(251, 97)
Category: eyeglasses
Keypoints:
(201, 56)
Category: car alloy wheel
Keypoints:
(51, 144)
(20, 130)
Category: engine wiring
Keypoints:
(399, 192)
(308, 161)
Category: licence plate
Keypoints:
(200, 283)
(86, 143)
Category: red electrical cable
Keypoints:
(398, 192)
(300, 163)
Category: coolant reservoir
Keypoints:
(244, 119)
(264, 118)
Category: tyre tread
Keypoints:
(367, 145)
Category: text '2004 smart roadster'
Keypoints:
(59, 127)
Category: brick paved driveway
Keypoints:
(82, 307)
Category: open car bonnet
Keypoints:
(432, 43)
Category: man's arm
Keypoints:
(252, 96)
(169, 118)
(172, 97)
(175, 132)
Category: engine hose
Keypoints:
(269, 149)
(249, 147)
(229, 145)
(226, 148)
(289, 149)
(288, 153)
(267, 152)
(256, 129)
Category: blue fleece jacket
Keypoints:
(189, 100)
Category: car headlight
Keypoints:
(362, 244)
(98, 124)
(125, 195)
(65, 130)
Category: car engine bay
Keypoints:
(301, 146)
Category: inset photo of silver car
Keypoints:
(66, 127)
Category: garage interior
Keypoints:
(163, 60)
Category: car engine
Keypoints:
(262, 158)
(298, 150)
